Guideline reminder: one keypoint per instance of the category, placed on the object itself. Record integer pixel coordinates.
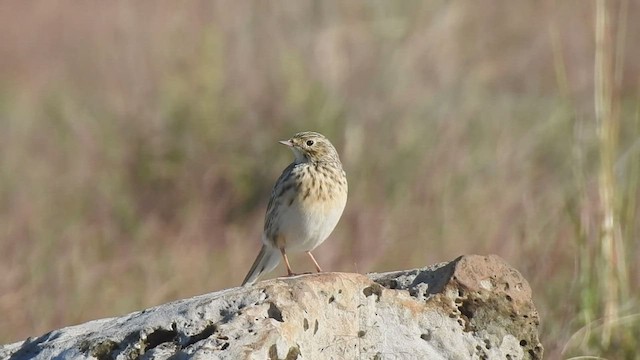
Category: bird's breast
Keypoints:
(316, 207)
(321, 188)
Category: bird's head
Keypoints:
(311, 146)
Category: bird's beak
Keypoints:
(286, 142)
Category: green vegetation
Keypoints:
(139, 146)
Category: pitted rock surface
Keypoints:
(474, 307)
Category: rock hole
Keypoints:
(315, 327)
(393, 284)
(523, 342)
(373, 289)
(103, 350)
(361, 333)
(274, 312)
(293, 354)
(158, 337)
(425, 336)
(132, 339)
(332, 299)
(205, 333)
(509, 298)
(467, 309)
(224, 346)
(305, 324)
(273, 352)
(226, 314)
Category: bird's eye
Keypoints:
(309, 142)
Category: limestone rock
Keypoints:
(474, 307)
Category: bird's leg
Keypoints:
(314, 261)
(286, 263)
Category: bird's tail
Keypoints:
(267, 260)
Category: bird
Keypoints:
(305, 206)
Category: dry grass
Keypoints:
(135, 136)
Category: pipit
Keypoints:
(305, 205)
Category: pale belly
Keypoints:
(305, 226)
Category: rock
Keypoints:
(474, 307)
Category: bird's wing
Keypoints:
(282, 184)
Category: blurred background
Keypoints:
(138, 148)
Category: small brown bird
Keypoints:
(305, 205)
